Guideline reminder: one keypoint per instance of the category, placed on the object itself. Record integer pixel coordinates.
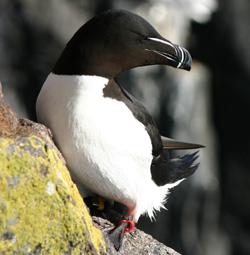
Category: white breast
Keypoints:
(105, 147)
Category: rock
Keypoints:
(136, 243)
(41, 210)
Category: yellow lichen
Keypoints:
(40, 208)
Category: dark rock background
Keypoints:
(209, 213)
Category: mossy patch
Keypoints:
(41, 211)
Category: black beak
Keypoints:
(169, 53)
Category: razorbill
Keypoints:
(110, 142)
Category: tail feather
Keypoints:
(185, 161)
(165, 170)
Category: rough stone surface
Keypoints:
(136, 242)
(41, 211)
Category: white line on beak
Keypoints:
(182, 57)
(162, 41)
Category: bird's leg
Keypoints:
(113, 212)
(107, 209)
(95, 203)
(130, 224)
(101, 203)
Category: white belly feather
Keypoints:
(105, 147)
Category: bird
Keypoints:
(111, 144)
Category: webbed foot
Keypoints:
(116, 235)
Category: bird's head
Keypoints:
(116, 41)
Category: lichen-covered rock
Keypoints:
(41, 211)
